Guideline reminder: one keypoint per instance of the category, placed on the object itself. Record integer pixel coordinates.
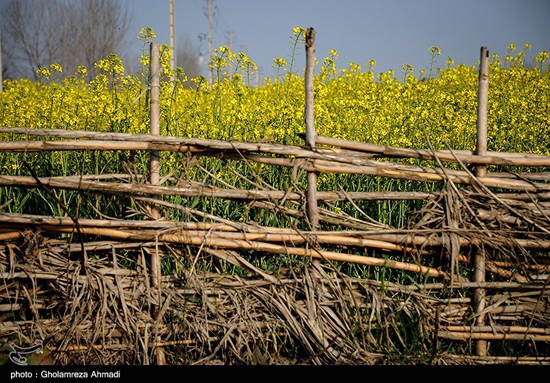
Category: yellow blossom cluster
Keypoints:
(352, 103)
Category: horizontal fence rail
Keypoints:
(303, 158)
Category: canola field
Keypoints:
(401, 108)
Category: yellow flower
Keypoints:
(165, 54)
(435, 50)
(43, 72)
(82, 71)
(146, 34)
(542, 57)
(145, 60)
(299, 32)
(407, 69)
(112, 64)
(279, 62)
(180, 75)
(56, 68)
(349, 104)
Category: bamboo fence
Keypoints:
(93, 287)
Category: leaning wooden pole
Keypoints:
(481, 171)
(154, 83)
(311, 134)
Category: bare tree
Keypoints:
(188, 59)
(31, 31)
(69, 32)
(100, 28)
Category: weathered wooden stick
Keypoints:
(320, 162)
(154, 170)
(45, 146)
(419, 240)
(10, 235)
(532, 176)
(397, 172)
(481, 171)
(539, 266)
(459, 285)
(491, 336)
(508, 274)
(311, 134)
(466, 156)
(32, 219)
(472, 285)
(351, 238)
(524, 196)
(127, 141)
(84, 182)
(401, 239)
(75, 183)
(492, 215)
(16, 218)
(287, 238)
(374, 196)
(537, 207)
(535, 360)
(154, 83)
(29, 275)
(482, 97)
(258, 246)
(501, 329)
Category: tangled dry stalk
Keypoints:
(84, 286)
(100, 311)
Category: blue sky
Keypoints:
(392, 32)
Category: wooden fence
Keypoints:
(514, 218)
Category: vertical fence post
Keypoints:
(154, 83)
(172, 40)
(311, 134)
(481, 171)
(482, 98)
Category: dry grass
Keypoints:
(87, 293)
